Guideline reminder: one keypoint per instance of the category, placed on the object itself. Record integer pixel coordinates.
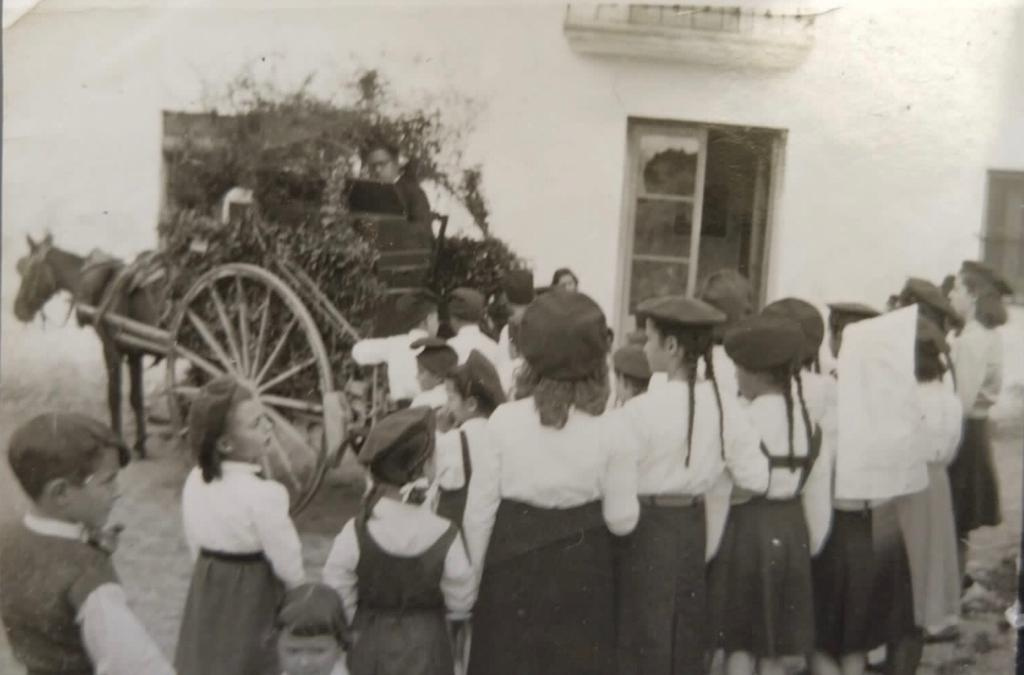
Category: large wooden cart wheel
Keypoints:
(241, 320)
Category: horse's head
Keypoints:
(38, 280)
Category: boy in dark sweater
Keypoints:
(61, 603)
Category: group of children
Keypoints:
(541, 504)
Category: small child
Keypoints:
(474, 391)
(400, 569)
(244, 544)
(465, 312)
(312, 635)
(62, 605)
(632, 372)
(434, 360)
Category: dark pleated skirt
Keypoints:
(228, 623)
(661, 604)
(892, 594)
(843, 583)
(972, 479)
(760, 583)
(546, 603)
(400, 643)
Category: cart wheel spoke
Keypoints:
(229, 329)
(261, 336)
(277, 350)
(243, 324)
(211, 341)
(287, 374)
(199, 361)
(292, 404)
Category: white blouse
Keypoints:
(400, 358)
(978, 362)
(432, 398)
(242, 513)
(449, 471)
(941, 423)
(549, 468)
(653, 427)
(471, 337)
(402, 530)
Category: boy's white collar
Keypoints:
(51, 527)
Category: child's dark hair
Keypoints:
(638, 385)
(928, 364)
(989, 309)
(468, 387)
(554, 398)
(59, 445)
(561, 272)
(208, 420)
(313, 610)
(696, 342)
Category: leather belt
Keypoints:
(671, 500)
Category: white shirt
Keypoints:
(978, 361)
(654, 426)
(401, 530)
(450, 474)
(242, 513)
(113, 637)
(471, 337)
(941, 423)
(432, 398)
(768, 415)
(400, 358)
(548, 468)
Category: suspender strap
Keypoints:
(467, 463)
(793, 463)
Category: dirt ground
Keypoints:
(59, 369)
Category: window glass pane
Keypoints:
(668, 164)
(662, 227)
(653, 278)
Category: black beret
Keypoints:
(518, 287)
(479, 370)
(681, 311)
(763, 342)
(986, 272)
(805, 314)
(311, 610)
(729, 291)
(631, 360)
(563, 335)
(849, 312)
(926, 293)
(466, 304)
(399, 313)
(930, 336)
(435, 355)
(399, 445)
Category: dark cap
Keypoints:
(58, 445)
(466, 304)
(849, 312)
(435, 355)
(730, 292)
(631, 361)
(805, 314)
(764, 342)
(399, 313)
(989, 275)
(483, 378)
(518, 287)
(563, 335)
(399, 445)
(312, 610)
(637, 338)
(680, 311)
(930, 336)
(922, 291)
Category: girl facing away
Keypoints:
(244, 544)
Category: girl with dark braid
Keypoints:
(763, 586)
(685, 433)
(400, 570)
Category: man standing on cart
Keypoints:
(380, 160)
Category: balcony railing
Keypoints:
(724, 36)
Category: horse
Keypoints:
(98, 281)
